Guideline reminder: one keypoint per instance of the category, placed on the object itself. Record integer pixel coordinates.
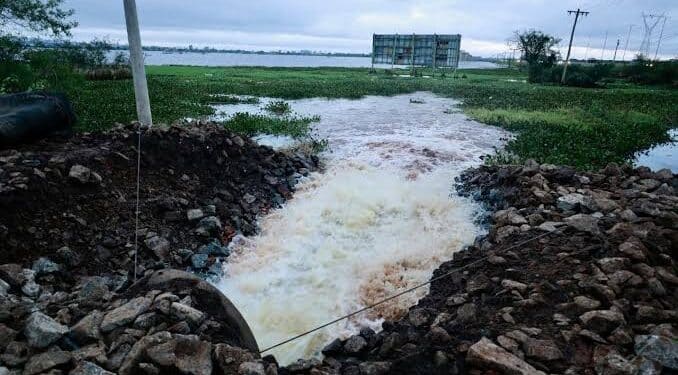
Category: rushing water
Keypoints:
(381, 218)
(252, 59)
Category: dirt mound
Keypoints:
(577, 275)
(74, 201)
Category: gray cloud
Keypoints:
(347, 25)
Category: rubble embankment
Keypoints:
(67, 230)
(576, 276)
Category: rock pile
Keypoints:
(577, 275)
(74, 202)
(67, 248)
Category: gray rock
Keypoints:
(4, 287)
(514, 285)
(185, 353)
(602, 321)
(194, 214)
(374, 368)
(633, 248)
(45, 361)
(418, 317)
(125, 314)
(477, 283)
(545, 350)
(41, 330)
(438, 336)
(586, 303)
(611, 265)
(159, 246)
(80, 173)
(505, 232)
(570, 202)
(89, 368)
(487, 355)
(658, 348)
(44, 266)
(132, 358)
(584, 223)
(199, 261)
(87, 329)
(466, 313)
(93, 290)
(238, 141)
(251, 368)
(214, 249)
(354, 345)
(210, 225)
(249, 198)
(188, 313)
(228, 358)
(31, 288)
(15, 353)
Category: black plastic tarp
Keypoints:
(29, 116)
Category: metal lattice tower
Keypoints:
(650, 21)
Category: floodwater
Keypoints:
(251, 59)
(380, 219)
(661, 156)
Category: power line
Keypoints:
(569, 48)
(626, 45)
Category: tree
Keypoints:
(36, 15)
(537, 51)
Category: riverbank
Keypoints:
(577, 275)
(577, 272)
(584, 128)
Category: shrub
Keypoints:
(278, 107)
(647, 72)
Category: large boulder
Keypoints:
(41, 330)
(486, 355)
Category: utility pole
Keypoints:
(626, 45)
(136, 58)
(661, 35)
(602, 54)
(569, 48)
(615, 52)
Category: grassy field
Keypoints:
(586, 128)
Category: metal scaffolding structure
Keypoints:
(430, 50)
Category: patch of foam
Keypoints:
(380, 219)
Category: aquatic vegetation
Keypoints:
(252, 124)
(278, 107)
(554, 124)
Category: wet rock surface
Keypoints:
(69, 303)
(598, 295)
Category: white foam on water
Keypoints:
(380, 219)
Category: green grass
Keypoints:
(586, 128)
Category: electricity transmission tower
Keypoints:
(661, 35)
(650, 21)
(569, 48)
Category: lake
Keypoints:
(250, 59)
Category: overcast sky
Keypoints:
(347, 25)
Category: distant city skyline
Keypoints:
(347, 26)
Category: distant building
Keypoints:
(431, 50)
